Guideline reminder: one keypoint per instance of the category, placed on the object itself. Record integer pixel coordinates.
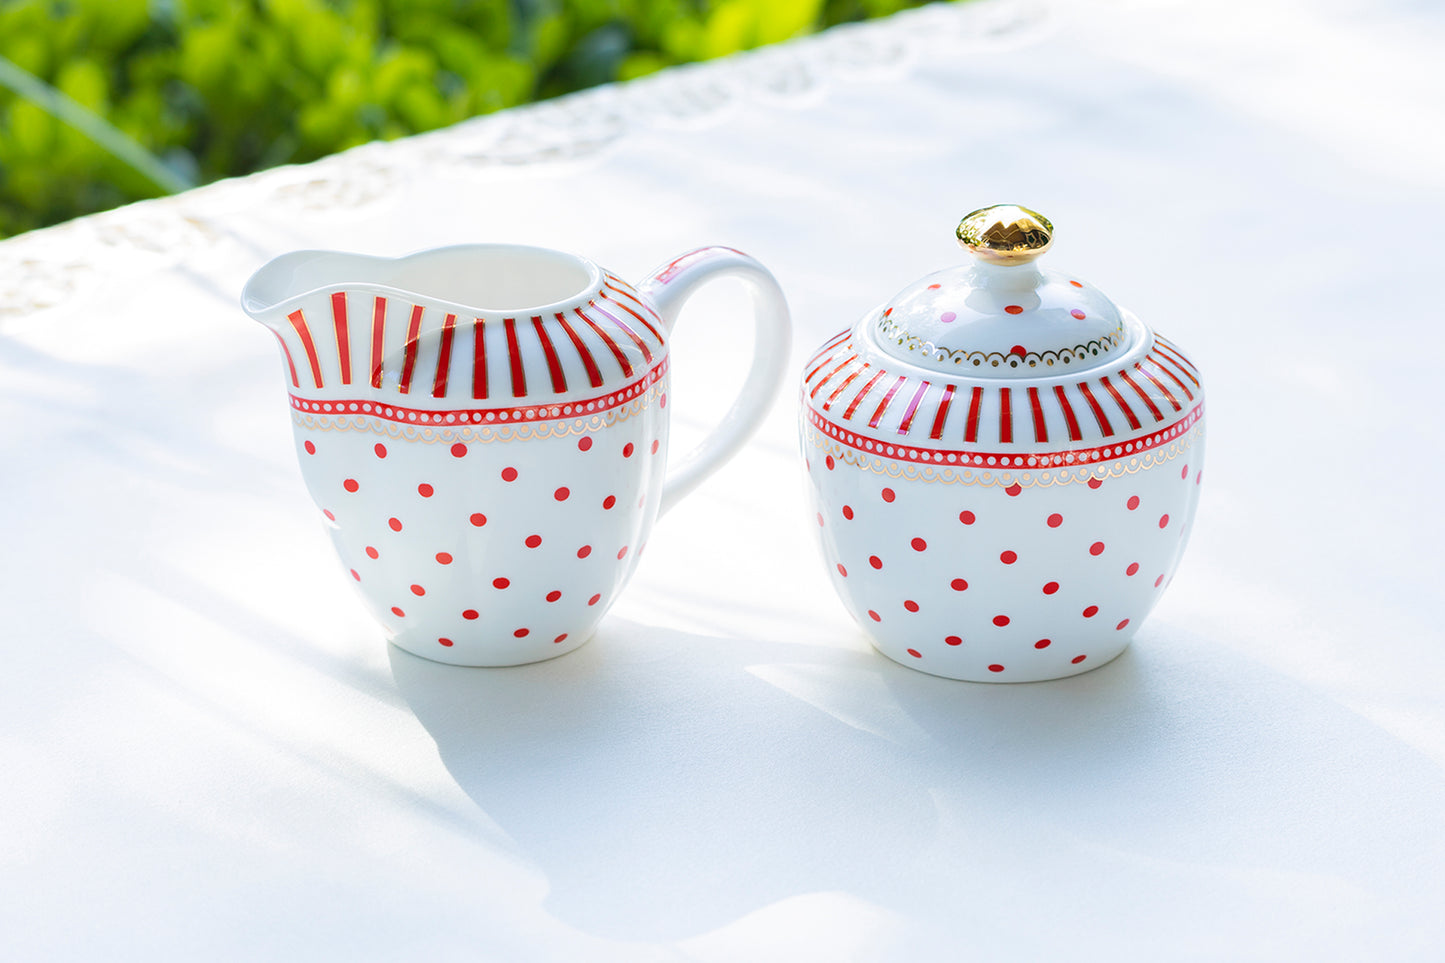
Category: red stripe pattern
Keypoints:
(995, 415)
(298, 322)
(995, 459)
(343, 335)
(615, 335)
(413, 343)
(444, 357)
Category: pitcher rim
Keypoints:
(258, 307)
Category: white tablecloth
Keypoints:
(207, 751)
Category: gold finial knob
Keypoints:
(1005, 234)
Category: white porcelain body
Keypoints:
(978, 531)
(489, 459)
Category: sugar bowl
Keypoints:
(1004, 465)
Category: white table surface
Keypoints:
(208, 752)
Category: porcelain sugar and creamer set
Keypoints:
(1003, 464)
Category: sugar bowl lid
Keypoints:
(1000, 315)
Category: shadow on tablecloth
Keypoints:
(670, 784)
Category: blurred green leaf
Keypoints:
(219, 88)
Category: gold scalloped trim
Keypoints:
(1046, 478)
(893, 331)
(448, 434)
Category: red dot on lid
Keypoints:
(584, 551)
(842, 571)
(1077, 314)
(327, 513)
(395, 524)
(1076, 284)
(1000, 620)
(995, 668)
(953, 640)
(1132, 503)
(1133, 569)
(445, 558)
(522, 633)
(478, 519)
(310, 448)
(1013, 309)
(595, 599)
(875, 561)
(1091, 611)
(560, 638)
(355, 575)
(655, 443)
(533, 541)
(501, 582)
(848, 512)
(1121, 625)
(820, 519)
(372, 552)
(1078, 658)
(509, 474)
(874, 616)
(934, 287)
(910, 605)
(918, 544)
(1097, 548)
(459, 450)
(627, 450)
(398, 612)
(471, 614)
(1159, 581)
(1018, 350)
(888, 495)
(425, 490)
(1008, 557)
(967, 517)
(446, 642)
(350, 485)
(1055, 520)
(1050, 588)
(562, 494)
(1043, 643)
(622, 553)
(958, 585)
(1163, 521)
(417, 590)
(609, 501)
(553, 595)
(380, 450)
(915, 653)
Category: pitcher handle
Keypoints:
(668, 288)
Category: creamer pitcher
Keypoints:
(485, 429)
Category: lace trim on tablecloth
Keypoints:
(44, 269)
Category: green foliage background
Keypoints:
(213, 88)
